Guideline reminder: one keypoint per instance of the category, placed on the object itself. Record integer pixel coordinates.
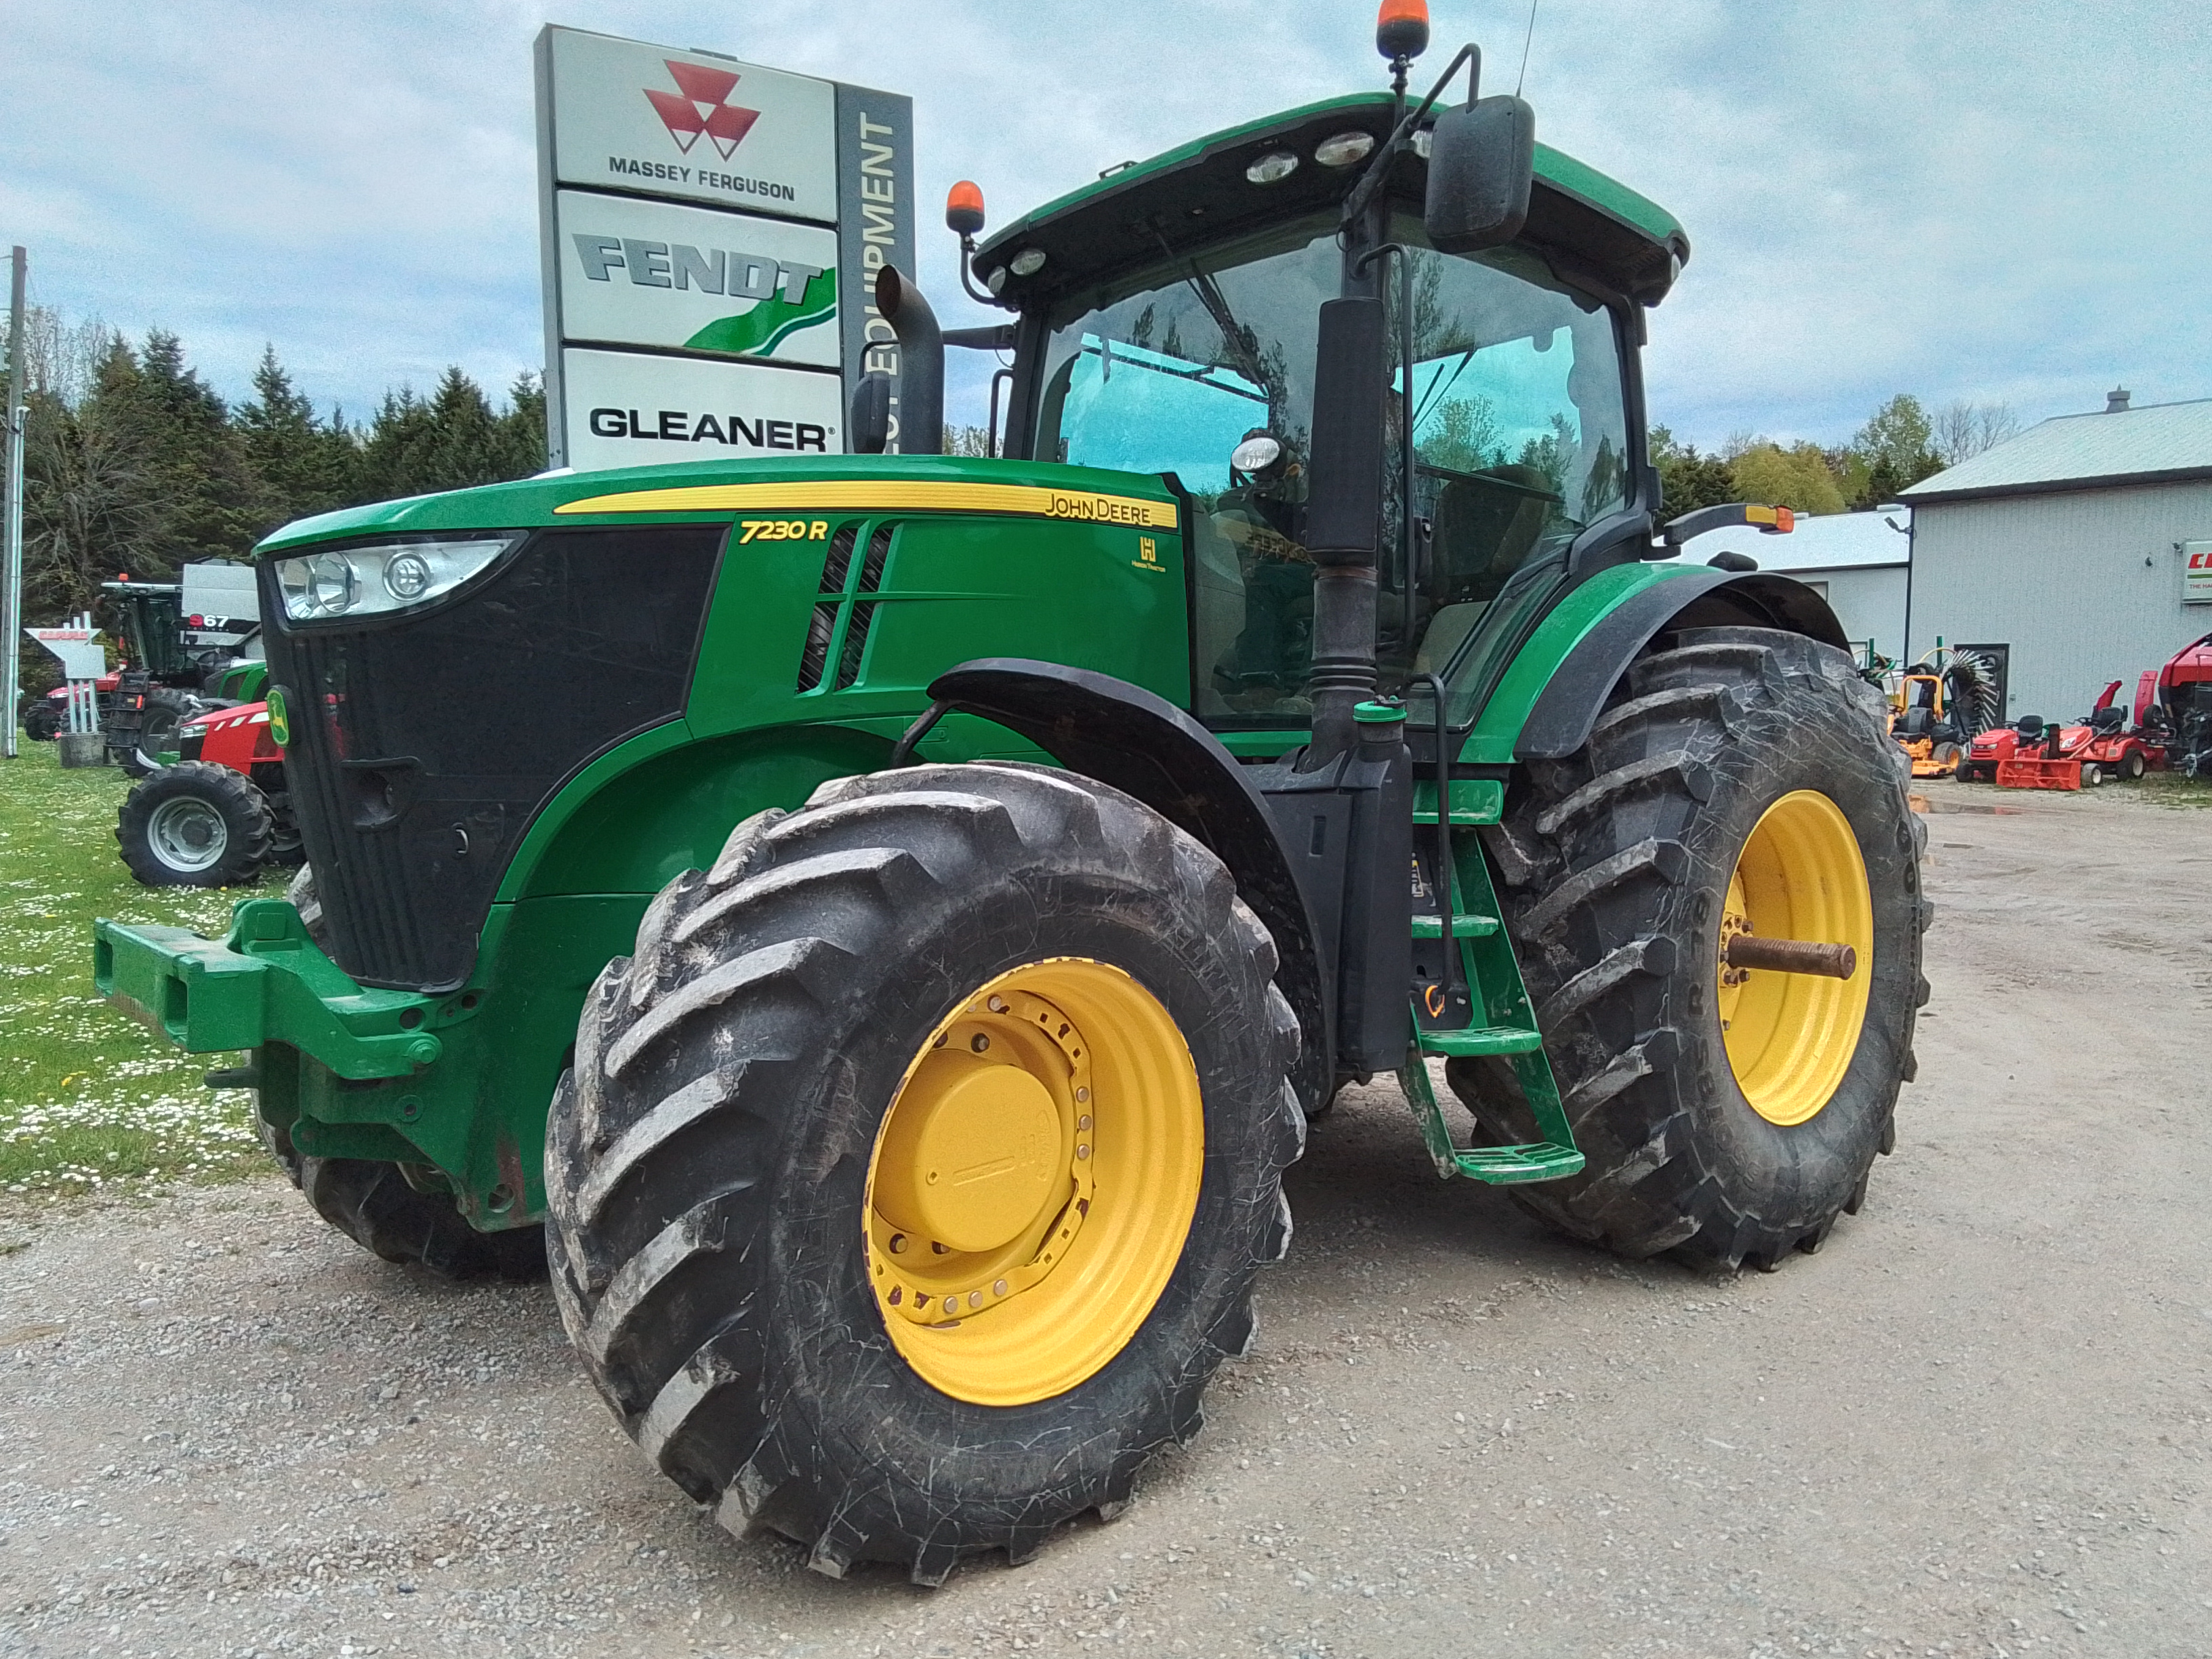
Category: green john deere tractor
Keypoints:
(881, 922)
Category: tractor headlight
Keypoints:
(360, 581)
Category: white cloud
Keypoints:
(1983, 200)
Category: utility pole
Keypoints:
(11, 594)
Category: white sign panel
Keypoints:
(83, 657)
(636, 409)
(691, 279)
(2196, 573)
(692, 206)
(629, 116)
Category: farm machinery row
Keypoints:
(1944, 714)
(181, 714)
(2169, 727)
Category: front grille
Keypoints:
(423, 744)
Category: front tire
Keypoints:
(194, 825)
(743, 1166)
(374, 1203)
(1743, 773)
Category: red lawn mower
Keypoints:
(220, 813)
(2030, 754)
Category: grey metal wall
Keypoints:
(2085, 586)
(1869, 600)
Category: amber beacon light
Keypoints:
(963, 208)
(1401, 30)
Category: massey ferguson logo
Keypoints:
(701, 104)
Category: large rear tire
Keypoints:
(194, 825)
(986, 972)
(1738, 780)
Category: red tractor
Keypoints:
(2030, 754)
(2177, 703)
(220, 813)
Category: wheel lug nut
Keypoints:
(975, 1299)
(998, 1287)
(899, 1243)
(1082, 1095)
(979, 1042)
(1082, 1152)
(1083, 1122)
(997, 1005)
(941, 1250)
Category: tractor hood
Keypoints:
(1199, 192)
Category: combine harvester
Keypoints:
(895, 935)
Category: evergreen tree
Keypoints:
(208, 498)
(518, 449)
(303, 465)
(1688, 478)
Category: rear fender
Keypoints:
(1560, 721)
(1145, 746)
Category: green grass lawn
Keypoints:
(87, 1100)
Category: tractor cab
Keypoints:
(1170, 318)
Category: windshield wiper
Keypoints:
(1233, 334)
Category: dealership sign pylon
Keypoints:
(710, 232)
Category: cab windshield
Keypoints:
(1519, 437)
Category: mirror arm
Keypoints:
(1379, 169)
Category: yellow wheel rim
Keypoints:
(1790, 1036)
(1034, 1181)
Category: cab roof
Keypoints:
(1198, 192)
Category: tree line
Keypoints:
(133, 464)
(1901, 445)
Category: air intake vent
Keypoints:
(822, 626)
(856, 629)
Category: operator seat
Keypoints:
(1485, 530)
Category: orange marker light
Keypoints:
(964, 208)
(1401, 28)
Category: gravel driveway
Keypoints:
(1978, 1423)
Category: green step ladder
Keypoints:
(1500, 1000)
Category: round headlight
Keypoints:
(1273, 167)
(996, 282)
(1028, 262)
(1344, 149)
(332, 584)
(408, 576)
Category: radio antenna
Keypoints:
(1525, 40)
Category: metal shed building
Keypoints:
(2066, 552)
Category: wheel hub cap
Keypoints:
(1791, 1038)
(1033, 1183)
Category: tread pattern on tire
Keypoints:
(1608, 861)
(669, 1143)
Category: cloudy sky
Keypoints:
(1989, 199)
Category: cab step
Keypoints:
(1479, 1040)
(1496, 1166)
(1432, 927)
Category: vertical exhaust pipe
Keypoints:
(922, 363)
(1344, 519)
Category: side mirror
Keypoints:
(1482, 163)
(869, 427)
